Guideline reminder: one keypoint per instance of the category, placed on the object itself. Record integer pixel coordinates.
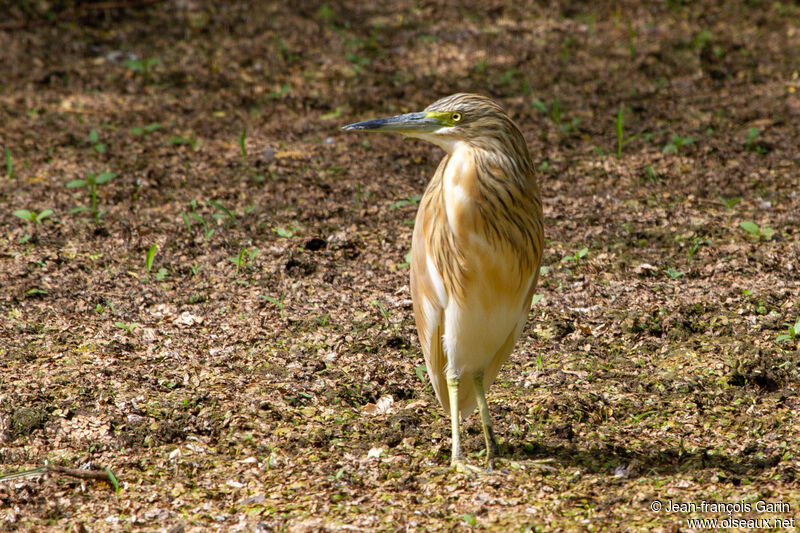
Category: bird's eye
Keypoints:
(456, 117)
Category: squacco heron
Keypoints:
(475, 252)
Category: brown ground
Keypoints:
(256, 397)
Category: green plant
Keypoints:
(651, 173)
(144, 130)
(94, 139)
(697, 242)
(187, 220)
(412, 200)
(322, 320)
(759, 233)
(631, 40)
(127, 327)
(243, 258)
(383, 311)
(577, 256)
(674, 274)
(33, 216)
(621, 139)
(793, 332)
(421, 371)
(556, 114)
(729, 203)
(360, 196)
(9, 164)
(191, 141)
(536, 299)
(277, 302)
(91, 182)
(226, 213)
(752, 145)
(148, 260)
(676, 142)
(143, 66)
(284, 232)
(280, 93)
(405, 264)
(242, 141)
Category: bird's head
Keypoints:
(457, 118)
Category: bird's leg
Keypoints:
(456, 458)
(488, 430)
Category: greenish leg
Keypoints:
(452, 390)
(488, 430)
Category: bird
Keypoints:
(476, 250)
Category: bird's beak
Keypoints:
(408, 124)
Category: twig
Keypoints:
(96, 474)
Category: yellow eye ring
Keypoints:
(456, 117)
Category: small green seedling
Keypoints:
(33, 216)
(187, 220)
(674, 274)
(407, 263)
(127, 327)
(469, 519)
(243, 258)
(793, 332)
(143, 66)
(411, 200)
(676, 143)
(751, 144)
(9, 164)
(91, 183)
(759, 233)
(577, 256)
(144, 130)
(191, 141)
(226, 213)
(322, 320)
(536, 299)
(697, 242)
(280, 93)
(383, 311)
(621, 139)
(729, 203)
(360, 196)
(275, 301)
(651, 174)
(148, 260)
(286, 233)
(242, 142)
(94, 139)
(556, 114)
(421, 371)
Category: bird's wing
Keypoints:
(501, 356)
(429, 299)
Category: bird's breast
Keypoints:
(490, 268)
(460, 193)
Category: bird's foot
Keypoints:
(463, 468)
